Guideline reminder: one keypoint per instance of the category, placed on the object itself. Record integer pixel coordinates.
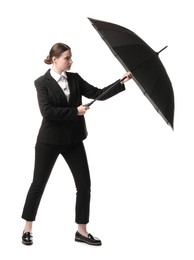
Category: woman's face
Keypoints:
(64, 62)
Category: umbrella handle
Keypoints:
(90, 103)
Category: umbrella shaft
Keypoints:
(106, 91)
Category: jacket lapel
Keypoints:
(72, 88)
(55, 88)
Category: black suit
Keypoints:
(62, 132)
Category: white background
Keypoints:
(141, 170)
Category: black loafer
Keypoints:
(90, 240)
(27, 238)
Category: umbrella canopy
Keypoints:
(139, 58)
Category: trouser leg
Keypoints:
(77, 162)
(45, 157)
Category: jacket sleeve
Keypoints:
(92, 92)
(48, 110)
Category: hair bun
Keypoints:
(48, 60)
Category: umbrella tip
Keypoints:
(171, 125)
(162, 49)
(89, 18)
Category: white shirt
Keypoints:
(62, 81)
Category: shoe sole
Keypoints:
(87, 242)
(27, 243)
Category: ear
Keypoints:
(53, 59)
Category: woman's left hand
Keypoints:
(127, 76)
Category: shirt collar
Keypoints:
(57, 76)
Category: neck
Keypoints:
(57, 70)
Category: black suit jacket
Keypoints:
(61, 124)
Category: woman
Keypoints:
(62, 132)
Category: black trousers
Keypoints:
(45, 158)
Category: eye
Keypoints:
(67, 58)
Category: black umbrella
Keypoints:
(139, 58)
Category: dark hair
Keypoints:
(56, 51)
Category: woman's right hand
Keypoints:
(81, 110)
